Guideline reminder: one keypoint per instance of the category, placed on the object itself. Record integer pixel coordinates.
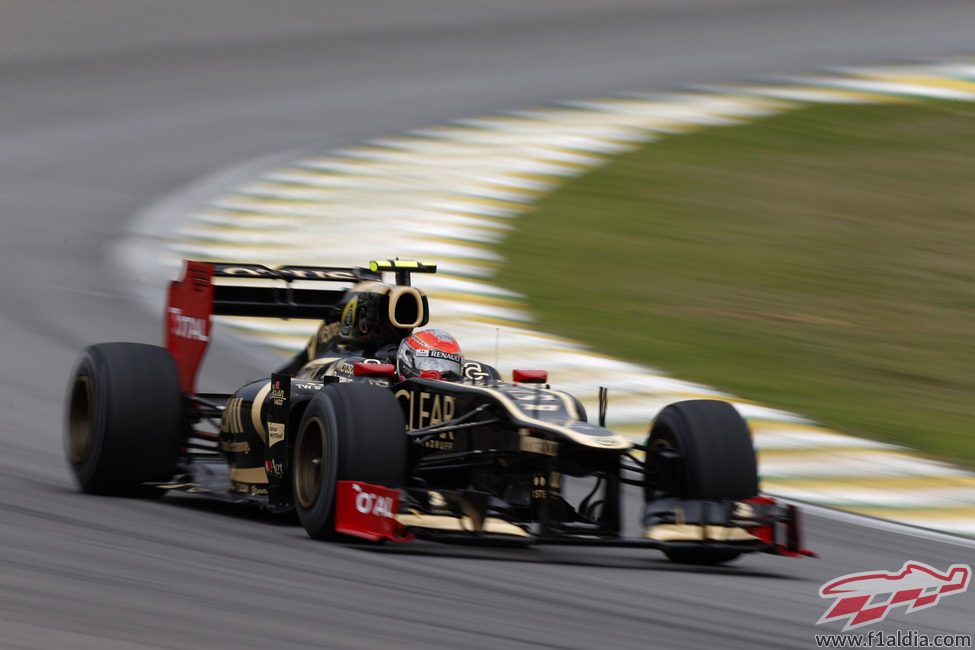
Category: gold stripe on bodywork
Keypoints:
(256, 412)
(696, 533)
(460, 524)
(611, 440)
(310, 369)
(248, 475)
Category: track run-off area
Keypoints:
(450, 192)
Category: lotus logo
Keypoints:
(866, 598)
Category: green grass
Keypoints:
(820, 261)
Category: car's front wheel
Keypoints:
(700, 449)
(349, 432)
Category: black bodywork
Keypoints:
(509, 442)
(486, 459)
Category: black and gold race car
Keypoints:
(355, 449)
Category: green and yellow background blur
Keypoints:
(820, 261)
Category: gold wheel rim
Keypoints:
(80, 415)
(310, 463)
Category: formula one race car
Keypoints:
(356, 449)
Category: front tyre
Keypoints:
(349, 432)
(124, 418)
(700, 449)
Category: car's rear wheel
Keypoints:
(700, 449)
(349, 432)
(124, 418)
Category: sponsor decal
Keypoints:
(277, 394)
(343, 367)
(540, 401)
(475, 372)
(866, 598)
(274, 468)
(426, 409)
(367, 511)
(438, 354)
(368, 503)
(542, 487)
(539, 446)
(187, 327)
(443, 442)
(275, 433)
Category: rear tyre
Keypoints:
(124, 419)
(349, 432)
(700, 449)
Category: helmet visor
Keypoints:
(448, 364)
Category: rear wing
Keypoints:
(256, 291)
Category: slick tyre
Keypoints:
(700, 449)
(349, 432)
(124, 419)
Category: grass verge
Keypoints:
(821, 261)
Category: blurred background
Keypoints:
(109, 107)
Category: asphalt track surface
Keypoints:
(108, 106)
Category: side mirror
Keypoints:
(530, 376)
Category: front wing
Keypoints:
(760, 524)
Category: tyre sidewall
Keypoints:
(318, 518)
(92, 462)
(135, 418)
(364, 439)
(716, 447)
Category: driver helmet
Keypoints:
(432, 354)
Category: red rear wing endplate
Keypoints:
(188, 320)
